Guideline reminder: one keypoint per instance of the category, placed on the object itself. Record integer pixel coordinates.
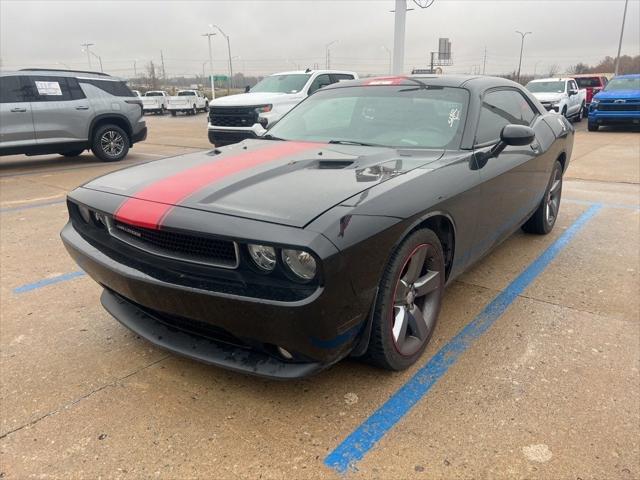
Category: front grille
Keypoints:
(179, 246)
(233, 116)
(619, 107)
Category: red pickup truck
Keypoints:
(592, 83)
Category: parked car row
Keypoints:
(189, 102)
(615, 102)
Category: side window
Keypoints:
(115, 88)
(320, 81)
(605, 80)
(74, 89)
(572, 85)
(11, 90)
(501, 108)
(341, 76)
(48, 89)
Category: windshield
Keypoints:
(622, 83)
(392, 116)
(153, 94)
(584, 82)
(185, 94)
(546, 87)
(282, 83)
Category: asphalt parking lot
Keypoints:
(533, 371)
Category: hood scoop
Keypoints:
(332, 164)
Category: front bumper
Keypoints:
(600, 117)
(318, 330)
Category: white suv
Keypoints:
(237, 117)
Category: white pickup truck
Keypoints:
(188, 101)
(560, 95)
(237, 117)
(155, 101)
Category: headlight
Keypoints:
(263, 256)
(85, 213)
(300, 263)
(595, 102)
(264, 108)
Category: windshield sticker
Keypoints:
(454, 116)
(49, 88)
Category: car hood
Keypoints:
(244, 99)
(618, 94)
(548, 96)
(289, 183)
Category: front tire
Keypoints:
(408, 302)
(580, 115)
(110, 143)
(544, 218)
(592, 126)
(564, 111)
(194, 110)
(173, 113)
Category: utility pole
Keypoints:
(390, 60)
(230, 82)
(624, 16)
(400, 21)
(164, 72)
(521, 49)
(484, 61)
(327, 56)
(135, 71)
(86, 48)
(213, 87)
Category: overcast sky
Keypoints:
(275, 35)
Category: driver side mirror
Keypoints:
(514, 135)
(573, 92)
(246, 89)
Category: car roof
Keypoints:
(472, 82)
(628, 75)
(309, 72)
(62, 73)
(553, 79)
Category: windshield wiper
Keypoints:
(353, 142)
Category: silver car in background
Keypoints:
(68, 112)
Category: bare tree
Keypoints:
(553, 70)
(579, 68)
(153, 79)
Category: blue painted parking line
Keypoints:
(625, 206)
(32, 205)
(48, 281)
(367, 435)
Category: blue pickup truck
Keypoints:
(617, 104)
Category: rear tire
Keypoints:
(173, 113)
(592, 126)
(544, 218)
(206, 107)
(408, 302)
(110, 143)
(72, 153)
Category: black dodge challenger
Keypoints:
(334, 234)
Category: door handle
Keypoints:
(18, 109)
(82, 107)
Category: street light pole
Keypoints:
(388, 53)
(328, 54)
(230, 82)
(521, 49)
(213, 87)
(624, 16)
(86, 47)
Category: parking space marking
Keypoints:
(48, 281)
(603, 204)
(373, 429)
(33, 205)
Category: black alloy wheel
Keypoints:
(408, 302)
(544, 218)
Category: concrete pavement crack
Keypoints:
(82, 397)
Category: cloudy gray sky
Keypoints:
(277, 35)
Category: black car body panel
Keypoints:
(349, 205)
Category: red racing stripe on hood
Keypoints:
(152, 204)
